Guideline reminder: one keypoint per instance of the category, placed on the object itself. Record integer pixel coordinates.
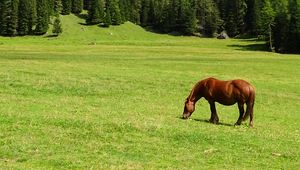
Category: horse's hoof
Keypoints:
(237, 124)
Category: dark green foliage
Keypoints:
(57, 7)
(27, 16)
(57, 29)
(42, 24)
(145, 12)
(249, 17)
(208, 16)
(96, 12)
(67, 7)
(86, 4)
(107, 18)
(77, 6)
(293, 40)
(9, 17)
(2, 11)
(275, 20)
(112, 6)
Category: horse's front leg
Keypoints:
(242, 112)
(214, 116)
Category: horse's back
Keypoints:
(228, 92)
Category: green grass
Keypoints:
(112, 98)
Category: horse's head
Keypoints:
(189, 108)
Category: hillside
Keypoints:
(75, 32)
(112, 98)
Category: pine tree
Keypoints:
(249, 17)
(9, 17)
(208, 16)
(77, 6)
(96, 12)
(234, 18)
(57, 28)
(281, 26)
(86, 4)
(33, 16)
(293, 43)
(57, 7)
(42, 17)
(1, 16)
(114, 10)
(144, 12)
(107, 18)
(24, 26)
(266, 21)
(190, 22)
(67, 6)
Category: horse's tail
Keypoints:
(250, 104)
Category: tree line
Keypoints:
(276, 21)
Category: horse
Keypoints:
(224, 92)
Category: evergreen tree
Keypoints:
(96, 12)
(24, 25)
(57, 29)
(9, 15)
(67, 6)
(190, 22)
(57, 7)
(77, 6)
(114, 10)
(107, 18)
(266, 21)
(281, 26)
(293, 42)
(249, 17)
(145, 12)
(42, 17)
(208, 16)
(86, 4)
(1, 16)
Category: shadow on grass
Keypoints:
(250, 47)
(207, 121)
(51, 36)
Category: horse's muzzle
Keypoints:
(185, 115)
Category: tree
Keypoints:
(77, 6)
(112, 6)
(208, 16)
(266, 21)
(24, 26)
(42, 17)
(96, 12)
(57, 29)
(293, 42)
(67, 6)
(145, 12)
(190, 22)
(107, 18)
(57, 7)
(281, 25)
(9, 15)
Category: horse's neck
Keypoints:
(195, 94)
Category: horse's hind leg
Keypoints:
(242, 112)
(214, 116)
(249, 112)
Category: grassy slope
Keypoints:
(66, 104)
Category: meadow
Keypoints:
(112, 98)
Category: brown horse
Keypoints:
(223, 92)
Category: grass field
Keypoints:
(98, 98)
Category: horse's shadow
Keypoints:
(207, 121)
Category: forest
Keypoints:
(277, 22)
